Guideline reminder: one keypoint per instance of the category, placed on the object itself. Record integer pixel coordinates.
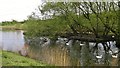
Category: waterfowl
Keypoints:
(115, 55)
(99, 56)
(81, 44)
(113, 36)
(69, 42)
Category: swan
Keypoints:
(81, 44)
(113, 36)
(115, 55)
(99, 56)
(69, 42)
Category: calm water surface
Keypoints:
(12, 40)
(60, 52)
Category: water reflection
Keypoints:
(12, 40)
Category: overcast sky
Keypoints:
(17, 9)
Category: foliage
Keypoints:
(96, 17)
(49, 28)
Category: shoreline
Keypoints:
(11, 28)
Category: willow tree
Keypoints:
(65, 12)
(100, 18)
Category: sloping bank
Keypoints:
(13, 59)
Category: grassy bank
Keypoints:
(13, 59)
(14, 26)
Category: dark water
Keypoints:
(61, 52)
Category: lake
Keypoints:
(62, 52)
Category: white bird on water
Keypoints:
(114, 52)
(113, 36)
(81, 44)
(69, 42)
(115, 55)
(99, 56)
